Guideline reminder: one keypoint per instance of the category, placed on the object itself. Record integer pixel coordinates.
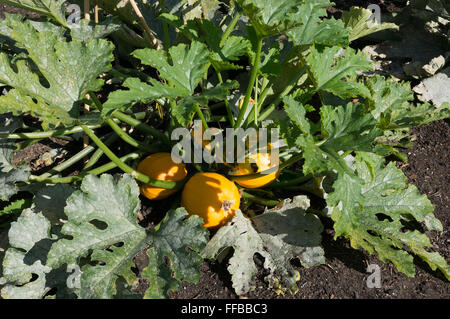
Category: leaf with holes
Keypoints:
(102, 219)
(278, 235)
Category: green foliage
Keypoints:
(356, 21)
(329, 65)
(70, 70)
(371, 211)
(55, 9)
(117, 238)
(340, 123)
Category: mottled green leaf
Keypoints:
(371, 212)
(179, 240)
(69, 70)
(102, 225)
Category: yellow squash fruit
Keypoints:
(212, 197)
(161, 167)
(261, 163)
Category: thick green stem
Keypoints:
(99, 152)
(281, 95)
(292, 182)
(26, 143)
(46, 134)
(128, 139)
(97, 171)
(259, 200)
(200, 115)
(127, 169)
(227, 105)
(251, 83)
(73, 160)
(141, 126)
(229, 29)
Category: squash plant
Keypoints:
(146, 68)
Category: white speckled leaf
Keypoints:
(278, 235)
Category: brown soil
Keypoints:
(344, 274)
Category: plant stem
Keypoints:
(26, 143)
(141, 126)
(200, 115)
(128, 139)
(292, 182)
(127, 169)
(259, 200)
(97, 171)
(96, 101)
(251, 83)
(74, 159)
(229, 29)
(46, 134)
(292, 83)
(227, 105)
(153, 41)
(99, 152)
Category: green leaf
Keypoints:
(55, 9)
(50, 200)
(69, 70)
(370, 211)
(184, 111)
(183, 67)
(348, 128)
(392, 104)
(30, 238)
(10, 175)
(102, 220)
(139, 91)
(315, 30)
(205, 31)
(356, 20)
(344, 128)
(387, 95)
(278, 235)
(116, 204)
(275, 17)
(16, 207)
(179, 240)
(86, 30)
(333, 69)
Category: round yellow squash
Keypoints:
(161, 167)
(212, 197)
(263, 163)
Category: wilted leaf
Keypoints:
(435, 88)
(278, 235)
